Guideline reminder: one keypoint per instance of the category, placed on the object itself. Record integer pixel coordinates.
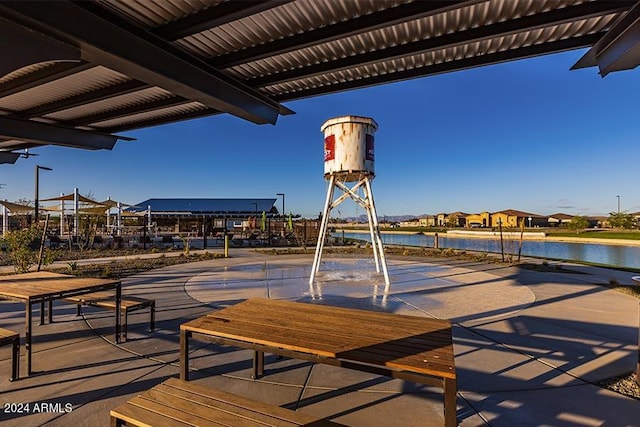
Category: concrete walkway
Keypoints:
(529, 345)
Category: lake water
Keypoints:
(614, 255)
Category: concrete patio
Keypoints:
(529, 345)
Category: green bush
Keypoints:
(23, 248)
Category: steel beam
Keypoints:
(340, 30)
(28, 47)
(213, 17)
(618, 49)
(8, 157)
(445, 67)
(44, 134)
(445, 41)
(106, 39)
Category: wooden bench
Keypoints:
(127, 305)
(180, 403)
(13, 338)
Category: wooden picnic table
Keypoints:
(412, 348)
(45, 287)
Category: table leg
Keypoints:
(27, 333)
(258, 364)
(118, 311)
(184, 354)
(42, 313)
(450, 393)
(15, 359)
(50, 311)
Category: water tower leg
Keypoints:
(374, 216)
(325, 224)
(372, 230)
(323, 229)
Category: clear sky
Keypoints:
(529, 135)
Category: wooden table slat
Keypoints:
(45, 287)
(319, 311)
(309, 341)
(400, 346)
(424, 341)
(441, 335)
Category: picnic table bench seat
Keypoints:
(128, 304)
(10, 337)
(181, 403)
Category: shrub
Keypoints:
(23, 248)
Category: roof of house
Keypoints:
(561, 216)
(514, 212)
(210, 206)
(134, 64)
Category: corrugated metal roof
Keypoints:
(220, 206)
(187, 108)
(110, 104)
(265, 52)
(65, 87)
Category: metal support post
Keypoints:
(323, 229)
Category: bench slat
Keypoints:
(180, 403)
(228, 400)
(7, 335)
(11, 337)
(212, 410)
(133, 415)
(174, 413)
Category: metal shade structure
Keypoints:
(77, 74)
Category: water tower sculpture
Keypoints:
(349, 158)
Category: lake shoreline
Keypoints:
(535, 236)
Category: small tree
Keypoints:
(23, 248)
(578, 223)
(622, 220)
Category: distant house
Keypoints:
(513, 218)
(458, 219)
(427, 221)
(482, 219)
(413, 222)
(453, 219)
(598, 221)
(559, 219)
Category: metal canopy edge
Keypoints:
(115, 44)
(7, 157)
(618, 49)
(43, 133)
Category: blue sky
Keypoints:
(529, 135)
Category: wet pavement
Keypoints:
(529, 345)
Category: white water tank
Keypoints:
(349, 147)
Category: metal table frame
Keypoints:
(34, 288)
(446, 381)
